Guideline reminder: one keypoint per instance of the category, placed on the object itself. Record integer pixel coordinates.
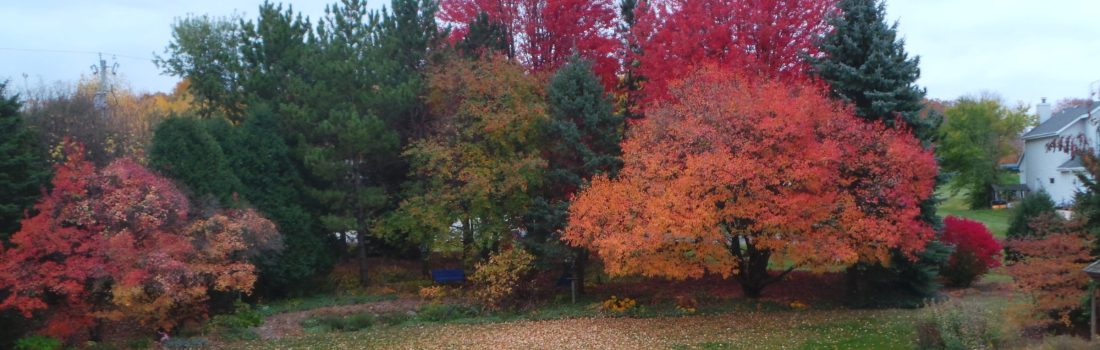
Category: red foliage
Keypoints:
(732, 171)
(546, 33)
(117, 244)
(976, 251)
(1049, 268)
(765, 37)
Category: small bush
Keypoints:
(186, 343)
(433, 294)
(976, 251)
(445, 312)
(1030, 207)
(960, 325)
(1066, 342)
(504, 280)
(238, 325)
(618, 306)
(1048, 270)
(37, 342)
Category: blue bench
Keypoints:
(448, 275)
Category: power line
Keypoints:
(76, 52)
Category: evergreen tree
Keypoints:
(183, 150)
(866, 65)
(270, 182)
(1031, 206)
(24, 170)
(583, 136)
(485, 36)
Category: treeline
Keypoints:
(471, 127)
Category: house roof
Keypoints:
(1073, 163)
(1057, 122)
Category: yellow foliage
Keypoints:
(499, 282)
(619, 306)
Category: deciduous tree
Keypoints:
(977, 134)
(771, 37)
(118, 243)
(545, 33)
(734, 170)
(477, 167)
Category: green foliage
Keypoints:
(238, 325)
(37, 342)
(24, 171)
(866, 64)
(977, 134)
(485, 37)
(504, 280)
(183, 150)
(433, 312)
(1030, 207)
(262, 162)
(205, 50)
(961, 325)
(904, 283)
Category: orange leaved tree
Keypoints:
(119, 243)
(730, 172)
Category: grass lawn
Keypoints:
(805, 329)
(995, 219)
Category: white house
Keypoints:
(1054, 171)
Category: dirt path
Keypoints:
(290, 324)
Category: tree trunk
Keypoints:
(364, 268)
(579, 266)
(467, 240)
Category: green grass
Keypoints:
(995, 219)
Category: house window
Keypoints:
(1052, 180)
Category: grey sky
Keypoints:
(1021, 49)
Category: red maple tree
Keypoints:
(119, 243)
(733, 171)
(768, 37)
(545, 33)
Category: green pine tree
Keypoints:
(866, 64)
(583, 136)
(24, 170)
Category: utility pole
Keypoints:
(102, 70)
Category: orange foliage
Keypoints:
(1049, 268)
(731, 171)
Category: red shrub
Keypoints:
(976, 251)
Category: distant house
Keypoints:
(1055, 171)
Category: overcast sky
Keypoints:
(1020, 49)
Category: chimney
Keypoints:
(1044, 111)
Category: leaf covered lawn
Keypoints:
(807, 329)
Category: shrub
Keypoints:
(1030, 207)
(238, 325)
(618, 306)
(37, 342)
(445, 312)
(960, 325)
(1049, 269)
(433, 294)
(976, 251)
(504, 279)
